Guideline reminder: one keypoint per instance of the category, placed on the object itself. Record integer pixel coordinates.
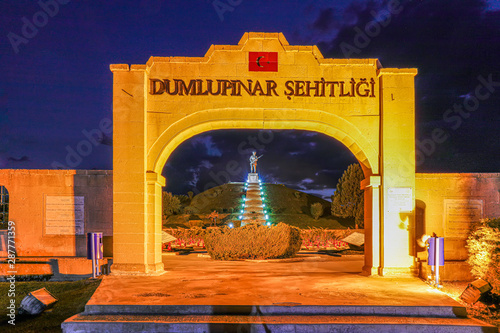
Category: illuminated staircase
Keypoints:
(254, 201)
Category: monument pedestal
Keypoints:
(253, 178)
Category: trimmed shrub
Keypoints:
(190, 210)
(316, 210)
(253, 241)
(483, 244)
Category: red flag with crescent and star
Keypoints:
(263, 61)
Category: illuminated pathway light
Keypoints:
(253, 203)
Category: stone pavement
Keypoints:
(319, 292)
(310, 279)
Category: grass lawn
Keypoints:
(72, 297)
(477, 310)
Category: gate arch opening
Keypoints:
(211, 168)
(220, 119)
(310, 120)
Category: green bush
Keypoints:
(348, 199)
(253, 241)
(171, 204)
(483, 244)
(316, 210)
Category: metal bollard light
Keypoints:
(436, 255)
(94, 251)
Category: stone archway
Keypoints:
(159, 105)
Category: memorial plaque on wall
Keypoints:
(64, 215)
(399, 199)
(459, 214)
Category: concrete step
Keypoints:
(254, 202)
(254, 220)
(281, 309)
(252, 214)
(264, 323)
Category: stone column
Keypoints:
(397, 168)
(155, 182)
(371, 187)
(134, 235)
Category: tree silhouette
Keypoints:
(348, 200)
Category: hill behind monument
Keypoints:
(284, 204)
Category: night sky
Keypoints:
(56, 86)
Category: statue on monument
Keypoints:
(253, 162)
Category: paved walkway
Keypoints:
(310, 279)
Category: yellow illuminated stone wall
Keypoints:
(29, 209)
(168, 100)
(449, 203)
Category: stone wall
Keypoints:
(43, 203)
(448, 204)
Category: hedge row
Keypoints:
(253, 241)
(312, 238)
(483, 244)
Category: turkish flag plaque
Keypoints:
(263, 61)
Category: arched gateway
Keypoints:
(263, 83)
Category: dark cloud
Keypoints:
(302, 160)
(206, 141)
(60, 84)
(453, 44)
(325, 20)
(17, 160)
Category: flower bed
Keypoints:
(313, 239)
(186, 238)
(316, 239)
